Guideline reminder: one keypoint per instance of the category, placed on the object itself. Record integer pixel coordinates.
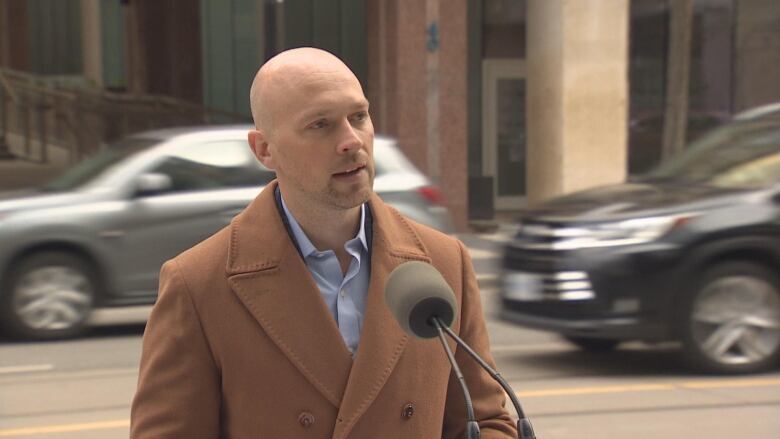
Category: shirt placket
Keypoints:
(349, 323)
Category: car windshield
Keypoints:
(94, 166)
(740, 155)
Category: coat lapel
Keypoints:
(381, 341)
(267, 274)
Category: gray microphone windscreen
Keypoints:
(415, 292)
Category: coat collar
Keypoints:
(265, 271)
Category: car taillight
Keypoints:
(431, 194)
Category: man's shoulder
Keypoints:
(431, 236)
(433, 241)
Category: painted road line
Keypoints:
(727, 384)
(637, 388)
(500, 237)
(66, 428)
(483, 254)
(570, 391)
(500, 349)
(487, 277)
(60, 375)
(120, 316)
(26, 369)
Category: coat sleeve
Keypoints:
(178, 393)
(487, 395)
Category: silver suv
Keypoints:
(97, 235)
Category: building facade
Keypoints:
(501, 102)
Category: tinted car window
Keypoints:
(99, 163)
(213, 165)
(742, 155)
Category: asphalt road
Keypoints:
(81, 389)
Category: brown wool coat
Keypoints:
(241, 344)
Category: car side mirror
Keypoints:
(152, 184)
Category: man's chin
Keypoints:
(353, 198)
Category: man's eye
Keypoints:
(319, 124)
(360, 116)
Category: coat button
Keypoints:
(408, 411)
(306, 419)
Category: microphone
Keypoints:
(424, 305)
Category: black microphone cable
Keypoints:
(524, 428)
(472, 427)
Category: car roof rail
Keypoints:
(758, 112)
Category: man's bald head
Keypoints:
(280, 75)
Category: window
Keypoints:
(214, 165)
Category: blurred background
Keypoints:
(498, 109)
(500, 101)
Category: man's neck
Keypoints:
(327, 229)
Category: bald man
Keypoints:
(276, 326)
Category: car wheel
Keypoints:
(593, 344)
(731, 319)
(49, 295)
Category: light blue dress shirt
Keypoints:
(345, 295)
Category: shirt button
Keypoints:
(306, 419)
(343, 293)
(408, 411)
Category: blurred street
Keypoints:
(82, 388)
(628, 149)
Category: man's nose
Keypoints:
(349, 139)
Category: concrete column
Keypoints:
(577, 99)
(91, 37)
(417, 53)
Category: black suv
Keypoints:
(688, 252)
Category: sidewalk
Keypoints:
(17, 173)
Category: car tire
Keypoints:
(731, 319)
(48, 295)
(595, 345)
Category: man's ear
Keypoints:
(260, 147)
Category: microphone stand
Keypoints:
(472, 428)
(524, 428)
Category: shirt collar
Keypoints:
(306, 246)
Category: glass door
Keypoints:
(503, 131)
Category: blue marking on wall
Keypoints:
(433, 37)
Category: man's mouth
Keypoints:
(350, 172)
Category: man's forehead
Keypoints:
(325, 104)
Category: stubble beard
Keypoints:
(350, 198)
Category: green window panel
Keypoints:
(338, 26)
(231, 54)
(233, 30)
(112, 28)
(54, 35)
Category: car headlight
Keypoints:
(626, 232)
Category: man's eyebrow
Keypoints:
(315, 113)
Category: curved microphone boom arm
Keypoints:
(524, 428)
